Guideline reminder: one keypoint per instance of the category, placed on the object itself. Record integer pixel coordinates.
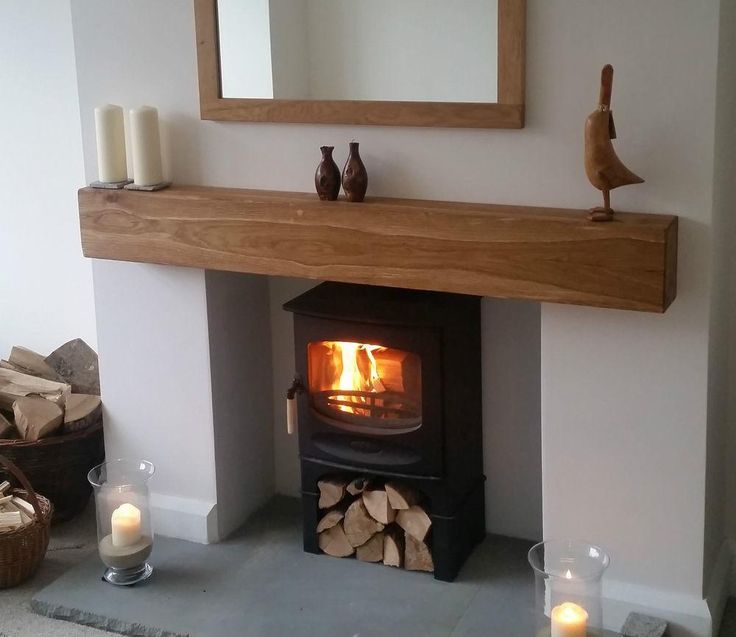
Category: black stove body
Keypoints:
(419, 421)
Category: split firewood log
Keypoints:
(359, 525)
(4, 486)
(25, 518)
(8, 365)
(14, 385)
(400, 496)
(27, 361)
(81, 411)
(376, 501)
(333, 541)
(331, 491)
(372, 550)
(393, 547)
(76, 363)
(10, 520)
(37, 417)
(23, 506)
(14, 512)
(330, 519)
(414, 521)
(7, 428)
(417, 556)
(357, 486)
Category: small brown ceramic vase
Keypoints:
(327, 176)
(354, 175)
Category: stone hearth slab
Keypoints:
(260, 583)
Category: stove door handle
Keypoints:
(291, 415)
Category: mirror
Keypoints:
(390, 62)
(405, 50)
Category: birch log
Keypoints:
(15, 385)
(415, 522)
(334, 542)
(359, 525)
(376, 501)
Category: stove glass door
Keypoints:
(365, 388)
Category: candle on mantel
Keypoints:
(126, 525)
(569, 620)
(110, 133)
(146, 146)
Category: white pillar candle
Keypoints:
(146, 146)
(110, 130)
(569, 620)
(126, 525)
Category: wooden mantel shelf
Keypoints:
(544, 254)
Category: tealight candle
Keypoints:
(569, 620)
(126, 525)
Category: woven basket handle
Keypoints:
(21, 477)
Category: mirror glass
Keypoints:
(387, 50)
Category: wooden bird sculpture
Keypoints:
(603, 167)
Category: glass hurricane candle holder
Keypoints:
(568, 588)
(124, 532)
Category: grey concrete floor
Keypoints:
(260, 583)
(73, 546)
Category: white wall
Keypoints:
(155, 378)
(624, 395)
(45, 283)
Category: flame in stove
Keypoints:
(358, 371)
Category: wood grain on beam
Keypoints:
(544, 254)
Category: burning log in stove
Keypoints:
(375, 523)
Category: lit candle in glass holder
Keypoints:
(567, 576)
(125, 537)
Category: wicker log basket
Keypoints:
(58, 466)
(22, 550)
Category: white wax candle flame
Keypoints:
(568, 575)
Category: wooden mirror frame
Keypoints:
(507, 112)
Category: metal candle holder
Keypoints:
(111, 185)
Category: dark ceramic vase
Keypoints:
(354, 175)
(327, 176)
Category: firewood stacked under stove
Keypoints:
(376, 521)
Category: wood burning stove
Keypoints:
(392, 390)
